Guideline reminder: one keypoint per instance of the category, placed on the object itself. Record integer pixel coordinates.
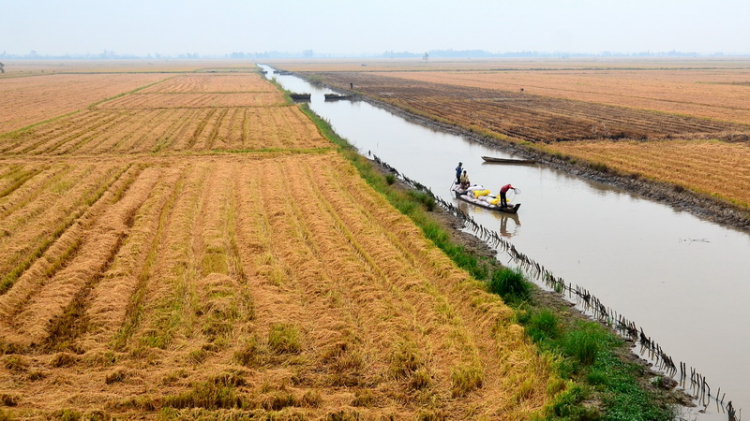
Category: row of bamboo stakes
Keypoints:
(699, 389)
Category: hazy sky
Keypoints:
(355, 26)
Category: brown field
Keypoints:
(209, 83)
(709, 93)
(533, 118)
(140, 101)
(168, 130)
(273, 283)
(38, 98)
(711, 167)
(502, 64)
(21, 68)
(176, 120)
(659, 134)
(132, 285)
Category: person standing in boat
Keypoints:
(465, 180)
(503, 191)
(459, 169)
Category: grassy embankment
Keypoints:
(595, 382)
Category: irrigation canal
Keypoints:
(681, 279)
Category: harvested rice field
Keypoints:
(711, 167)
(37, 98)
(137, 280)
(682, 123)
(719, 94)
(98, 132)
(184, 114)
(177, 283)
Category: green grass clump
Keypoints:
(582, 345)
(425, 199)
(251, 354)
(204, 395)
(67, 415)
(404, 360)
(284, 339)
(465, 379)
(510, 284)
(542, 325)
(216, 393)
(16, 363)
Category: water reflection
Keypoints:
(514, 226)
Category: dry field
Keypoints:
(711, 167)
(20, 68)
(501, 64)
(139, 101)
(183, 113)
(273, 283)
(719, 94)
(28, 100)
(533, 118)
(181, 282)
(209, 83)
(652, 122)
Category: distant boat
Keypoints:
(508, 160)
(336, 97)
(299, 97)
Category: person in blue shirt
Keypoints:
(459, 170)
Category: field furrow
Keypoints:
(133, 311)
(167, 312)
(77, 254)
(111, 297)
(48, 225)
(17, 181)
(28, 141)
(21, 197)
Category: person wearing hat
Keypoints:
(459, 170)
(464, 180)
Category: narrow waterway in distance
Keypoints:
(680, 278)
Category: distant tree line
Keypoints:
(111, 55)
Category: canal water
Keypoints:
(682, 279)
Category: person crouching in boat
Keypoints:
(465, 180)
(503, 191)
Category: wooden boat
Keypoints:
(483, 201)
(299, 97)
(507, 160)
(336, 97)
